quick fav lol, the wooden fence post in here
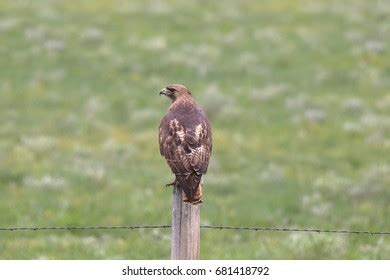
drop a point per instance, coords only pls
(185, 228)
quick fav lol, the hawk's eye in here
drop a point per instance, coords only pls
(171, 89)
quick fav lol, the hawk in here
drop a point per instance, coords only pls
(185, 141)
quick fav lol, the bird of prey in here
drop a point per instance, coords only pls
(185, 141)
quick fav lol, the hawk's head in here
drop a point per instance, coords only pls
(174, 91)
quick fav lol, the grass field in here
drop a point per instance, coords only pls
(298, 93)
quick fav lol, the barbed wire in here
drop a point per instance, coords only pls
(135, 227)
(307, 230)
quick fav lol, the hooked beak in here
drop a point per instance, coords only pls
(164, 91)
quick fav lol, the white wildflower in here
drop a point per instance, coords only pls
(54, 45)
(315, 115)
(352, 104)
(46, 181)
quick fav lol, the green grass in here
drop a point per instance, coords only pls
(297, 91)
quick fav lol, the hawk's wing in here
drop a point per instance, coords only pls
(186, 145)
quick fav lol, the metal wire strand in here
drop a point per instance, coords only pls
(241, 228)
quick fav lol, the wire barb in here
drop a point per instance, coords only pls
(135, 227)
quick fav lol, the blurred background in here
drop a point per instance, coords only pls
(298, 93)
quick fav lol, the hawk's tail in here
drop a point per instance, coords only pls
(192, 188)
